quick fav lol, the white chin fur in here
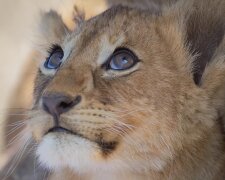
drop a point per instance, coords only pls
(57, 151)
(60, 150)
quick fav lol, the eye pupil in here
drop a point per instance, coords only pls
(124, 60)
(55, 58)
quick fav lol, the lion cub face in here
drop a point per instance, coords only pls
(111, 95)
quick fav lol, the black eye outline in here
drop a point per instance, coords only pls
(120, 51)
(55, 52)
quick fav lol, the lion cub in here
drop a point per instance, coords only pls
(133, 93)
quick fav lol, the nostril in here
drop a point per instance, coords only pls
(69, 104)
(64, 107)
(65, 104)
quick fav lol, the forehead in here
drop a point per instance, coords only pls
(102, 34)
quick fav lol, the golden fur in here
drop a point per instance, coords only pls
(162, 119)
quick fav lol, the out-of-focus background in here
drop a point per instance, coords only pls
(18, 23)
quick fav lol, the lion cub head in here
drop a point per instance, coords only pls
(118, 92)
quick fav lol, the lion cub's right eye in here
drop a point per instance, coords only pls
(55, 58)
(122, 59)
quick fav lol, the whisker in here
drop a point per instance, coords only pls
(22, 122)
(13, 114)
(18, 114)
(12, 124)
(11, 108)
(14, 129)
(17, 157)
(132, 112)
(115, 119)
(118, 132)
(16, 138)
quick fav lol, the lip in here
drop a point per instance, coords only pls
(59, 129)
(106, 147)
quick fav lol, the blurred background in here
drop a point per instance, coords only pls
(18, 23)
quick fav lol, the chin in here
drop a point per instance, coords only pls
(60, 150)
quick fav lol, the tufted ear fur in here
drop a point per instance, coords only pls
(78, 16)
(203, 30)
(52, 28)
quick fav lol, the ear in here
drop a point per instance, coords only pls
(205, 29)
(213, 80)
(201, 24)
(78, 16)
(52, 29)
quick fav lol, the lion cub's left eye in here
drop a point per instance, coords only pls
(122, 59)
(55, 58)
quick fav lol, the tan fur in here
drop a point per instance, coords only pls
(164, 124)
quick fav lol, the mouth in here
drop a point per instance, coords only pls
(106, 147)
(59, 129)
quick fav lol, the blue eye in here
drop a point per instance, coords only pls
(122, 59)
(55, 58)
